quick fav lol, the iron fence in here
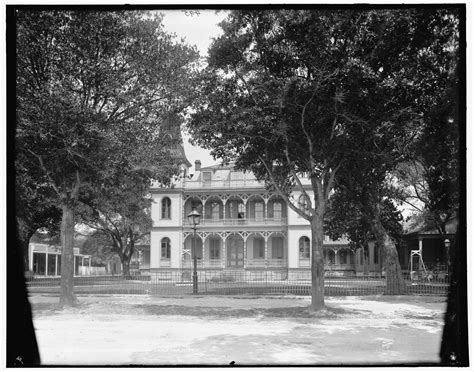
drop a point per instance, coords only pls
(174, 282)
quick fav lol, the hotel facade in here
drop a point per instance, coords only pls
(243, 228)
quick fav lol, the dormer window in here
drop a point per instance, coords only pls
(206, 177)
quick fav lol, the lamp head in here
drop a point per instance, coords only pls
(194, 217)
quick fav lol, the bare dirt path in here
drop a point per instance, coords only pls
(145, 330)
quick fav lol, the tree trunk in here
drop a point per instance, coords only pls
(24, 235)
(455, 342)
(393, 271)
(365, 258)
(67, 257)
(317, 263)
(126, 267)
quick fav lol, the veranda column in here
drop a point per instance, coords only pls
(56, 266)
(224, 251)
(46, 272)
(203, 252)
(245, 253)
(30, 261)
(420, 245)
(224, 202)
(265, 212)
(266, 251)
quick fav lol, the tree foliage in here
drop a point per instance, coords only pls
(292, 93)
(35, 206)
(93, 90)
(120, 215)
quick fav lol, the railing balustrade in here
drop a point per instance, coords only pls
(237, 183)
(256, 262)
(222, 184)
(239, 221)
(276, 262)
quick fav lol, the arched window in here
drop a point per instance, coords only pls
(165, 248)
(166, 208)
(303, 204)
(304, 247)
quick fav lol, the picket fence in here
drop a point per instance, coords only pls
(211, 282)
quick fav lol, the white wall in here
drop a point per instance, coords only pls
(294, 235)
(175, 237)
(293, 217)
(176, 209)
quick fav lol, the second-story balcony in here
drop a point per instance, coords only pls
(269, 221)
(223, 184)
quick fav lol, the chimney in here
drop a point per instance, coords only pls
(197, 165)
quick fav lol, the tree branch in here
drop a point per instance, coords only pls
(282, 194)
(53, 184)
(298, 181)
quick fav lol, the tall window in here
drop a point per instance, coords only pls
(166, 208)
(215, 251)
(241, 209)
(343, 257)
(277, 247)
(215, 211)
(331, 257)
(351, 257)
(376, 254)
(277, 208)
(258, 248)
(165, 249)
(304, 247)
(236, 209)
(258, 211)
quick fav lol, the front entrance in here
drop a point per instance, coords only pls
(235, 252)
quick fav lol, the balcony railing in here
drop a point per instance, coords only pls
(221, 184)
(239, 221)
(271, 262)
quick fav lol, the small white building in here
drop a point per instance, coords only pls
(45, 260)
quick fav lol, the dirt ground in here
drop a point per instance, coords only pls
(146, 330)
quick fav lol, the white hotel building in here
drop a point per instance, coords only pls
(243, 228)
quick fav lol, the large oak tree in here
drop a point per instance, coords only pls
(293, 93)
(92, 90)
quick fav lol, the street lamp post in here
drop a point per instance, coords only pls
(194, 219)
(447, 245)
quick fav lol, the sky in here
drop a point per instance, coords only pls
(196, 30)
